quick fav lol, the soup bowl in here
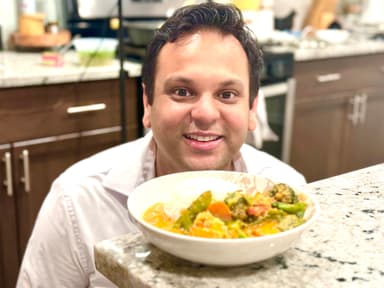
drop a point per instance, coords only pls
(180, 189)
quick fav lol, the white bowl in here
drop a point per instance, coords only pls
(93, 51)
(185, 187)
(332, 36)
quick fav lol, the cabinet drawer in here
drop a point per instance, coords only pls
(40, 111)
(320, 78)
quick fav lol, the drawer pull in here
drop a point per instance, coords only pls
(26, 179)
(8, 173)
(354, 116)
(328, 77)
(363, 108)
(86, 108)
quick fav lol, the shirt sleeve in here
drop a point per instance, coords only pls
(54, 255)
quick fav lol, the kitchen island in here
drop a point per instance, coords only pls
(344, 247)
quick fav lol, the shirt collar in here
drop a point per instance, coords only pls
(124, 177)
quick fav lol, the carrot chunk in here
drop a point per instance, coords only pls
(221, 210)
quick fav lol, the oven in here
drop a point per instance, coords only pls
(278, 86)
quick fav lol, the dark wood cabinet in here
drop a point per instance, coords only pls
(46, 129)
(365, 139)
(338, 114)
(9, 257)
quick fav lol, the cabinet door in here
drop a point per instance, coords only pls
(317, 138)
(38, 162)
(9, 258)
(364, 140)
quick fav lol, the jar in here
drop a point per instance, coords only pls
(52, 27)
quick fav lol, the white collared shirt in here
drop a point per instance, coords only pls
(88, 204)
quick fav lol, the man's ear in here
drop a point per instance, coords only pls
(252, 115)
(147, 109)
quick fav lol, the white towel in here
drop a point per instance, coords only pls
(262, 132)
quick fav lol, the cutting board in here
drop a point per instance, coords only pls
(321, 14)
(47, 40)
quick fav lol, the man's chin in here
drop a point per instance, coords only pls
(208, 165)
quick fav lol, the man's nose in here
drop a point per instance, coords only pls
(205, 110)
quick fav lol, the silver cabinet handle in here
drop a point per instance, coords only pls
(354, 116)
(86, 108)
(328, 77)
(363, 108)
(27, 177)
(8, 173)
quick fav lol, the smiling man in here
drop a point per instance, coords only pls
(200, 111)
(200, 83)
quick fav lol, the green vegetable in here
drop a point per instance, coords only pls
(283, 193)
(297, 208)
(238, 203)
(188, 215)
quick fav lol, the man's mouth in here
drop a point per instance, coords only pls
(202, 138)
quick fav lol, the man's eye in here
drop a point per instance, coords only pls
(228, 94)
(182, 92)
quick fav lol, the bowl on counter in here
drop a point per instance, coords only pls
(332, 36)
(180, 189)
(141, 32)
(92, 51)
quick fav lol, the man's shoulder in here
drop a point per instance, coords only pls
(261, 163)
(105, 160)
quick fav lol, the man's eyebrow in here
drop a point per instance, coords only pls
(185, 80)
(231, 82)
(178, 79)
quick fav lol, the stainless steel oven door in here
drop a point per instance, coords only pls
(279, 100)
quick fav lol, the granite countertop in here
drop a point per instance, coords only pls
(25, 69)
(344, 247)
(351, 48)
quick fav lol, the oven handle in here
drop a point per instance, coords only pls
(277, 89)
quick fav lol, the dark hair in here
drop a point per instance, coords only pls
(225, 18)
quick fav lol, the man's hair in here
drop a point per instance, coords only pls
(227, 19)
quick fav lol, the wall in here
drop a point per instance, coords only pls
(8, 16)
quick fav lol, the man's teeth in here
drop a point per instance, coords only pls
(202, 138)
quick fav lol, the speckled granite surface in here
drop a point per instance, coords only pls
(344, 248)
(24, 69)
(342, 50)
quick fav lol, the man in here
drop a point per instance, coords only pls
(200, 82)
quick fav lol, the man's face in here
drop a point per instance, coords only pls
(200, 113)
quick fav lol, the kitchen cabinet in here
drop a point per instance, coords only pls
(9, 258)
(45, 129)
(337, 125)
